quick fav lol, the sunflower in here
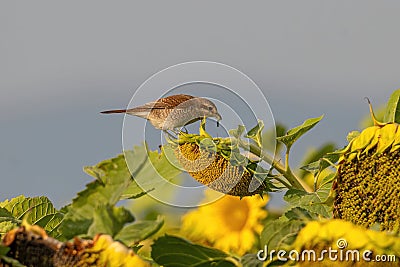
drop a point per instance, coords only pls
(219, 163)
(230, 224)
(344, 236)
(368, 178)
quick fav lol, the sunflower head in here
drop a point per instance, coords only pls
(230, 224)
(345, 238)
(216, 171)
(368, 178)
(219, 164)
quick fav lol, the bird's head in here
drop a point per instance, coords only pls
(208, 108)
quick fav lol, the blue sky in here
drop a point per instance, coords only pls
(63, 62)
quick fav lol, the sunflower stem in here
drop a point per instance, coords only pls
(284, 170)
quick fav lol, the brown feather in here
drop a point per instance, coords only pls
(169, 102)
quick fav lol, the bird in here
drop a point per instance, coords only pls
(173, 112)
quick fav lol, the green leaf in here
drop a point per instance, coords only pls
(11, 262)
(312, 202)
(4, 259)
(237, 132)
(3, 250)
(7, 221)
(282, 232)
(251, 260)
(255, 133)
(392, 113)
(171, 251)
(208, 145)
(36, 210)
(318, 160)
(237, 159)
(133, 233)
(156, 171)
(295, 133)
(114, 181)
(109, 220)
(300, 214)
(279, 234)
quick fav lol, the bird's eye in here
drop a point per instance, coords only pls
(210, 108)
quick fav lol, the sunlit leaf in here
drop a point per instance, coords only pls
(156, 171)
(171, 251)
(313, 202)
(317, 160)
(295, 133)
(255, 133)
(114, 181)
(251, 260)
(7, 221)
(238, 132)
(109, 220)
(132, 233)
(278, 234)
(392, 113)
(36, 210)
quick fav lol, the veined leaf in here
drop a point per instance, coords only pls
(113, 178)
(312, 202)
(295, 133)
(36, 210)
(282, 232)
(278, 234)
(317, 160)
(392, 113)
(132, 233)
(255, 133)
(114, 181)
(237, 132)
(7, 222)
(109, 220)
(251, 260)
(156, 171)
(171, 251)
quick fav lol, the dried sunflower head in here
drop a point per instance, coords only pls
(368, 182)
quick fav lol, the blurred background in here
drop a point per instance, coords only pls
(61, 63)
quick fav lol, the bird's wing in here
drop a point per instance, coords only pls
(169, 102)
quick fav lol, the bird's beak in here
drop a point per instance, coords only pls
(218, 117)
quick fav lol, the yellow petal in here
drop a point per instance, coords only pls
(364, 138)
(387, 134)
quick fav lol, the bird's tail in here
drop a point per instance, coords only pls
(139, 111)
(114, 111)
